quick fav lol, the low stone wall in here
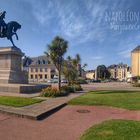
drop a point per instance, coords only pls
(24, 88)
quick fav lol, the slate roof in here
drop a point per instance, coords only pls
(120, 65)
(137, 49)
(40, 60)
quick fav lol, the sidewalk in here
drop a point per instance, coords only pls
(39, 110)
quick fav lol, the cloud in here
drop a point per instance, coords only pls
(77, 20)
(96, 57)
(83, 27)
(125, 53)
(128, 45)
(82, 22)
(43, 11)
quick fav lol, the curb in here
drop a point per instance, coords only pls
(49, 112)
(39, 116)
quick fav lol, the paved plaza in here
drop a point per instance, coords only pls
(66, 124)
(69, 123)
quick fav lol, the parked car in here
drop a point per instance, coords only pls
(50, 81)
(63, 81)
(55, 80)
(96, 81)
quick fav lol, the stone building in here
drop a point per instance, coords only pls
(39, 70)
(135, 61)
(90, 74)
(119, 72)
(122, 72)
(113, 71)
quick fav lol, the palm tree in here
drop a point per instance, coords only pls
(78, 58)
(56, 51)
(69, 58)
(71, 69)
(84, 66)
(77, 62)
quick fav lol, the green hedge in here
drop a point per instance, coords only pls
(50, 92)
(65, 90)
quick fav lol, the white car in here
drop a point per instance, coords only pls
(63, 81)
(50, 81)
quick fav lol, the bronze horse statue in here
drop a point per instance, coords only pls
(10, 30)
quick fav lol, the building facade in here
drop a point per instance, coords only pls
(90, 74)
(135, 61)
(39, 70)
(120, 72)
(113, 71)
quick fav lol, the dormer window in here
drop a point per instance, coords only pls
(43, 61)
(39, 62)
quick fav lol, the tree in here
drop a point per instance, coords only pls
(56, 51)
(71, 69)
(102, 72)
(84, 66)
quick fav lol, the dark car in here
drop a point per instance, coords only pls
(96, 81)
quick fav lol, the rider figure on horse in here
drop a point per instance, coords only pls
(2, 22)
(7, 30)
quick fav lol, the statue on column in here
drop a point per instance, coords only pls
(2, 22)
(9, 29)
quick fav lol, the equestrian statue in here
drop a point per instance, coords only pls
(9, 29)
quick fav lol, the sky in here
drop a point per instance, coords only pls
(101, 31)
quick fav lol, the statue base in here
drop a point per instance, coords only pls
(12, 78)
(21, 88)
(11, 66)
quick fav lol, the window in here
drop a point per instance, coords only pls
(39, 62)
(36, 76)
(52, 76)
(40, 76)
(45, 76)
(32, 70)
(43, 61)
(52, 71)
(36, 70)
(41, 70)
(31, 76)
(45, 69)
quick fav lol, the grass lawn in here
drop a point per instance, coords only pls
(17, 101)
(122, 99)
(113, 130)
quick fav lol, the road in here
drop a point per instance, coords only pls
(110, 86)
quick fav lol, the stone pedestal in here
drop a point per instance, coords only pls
(11, 66)
(12, 78)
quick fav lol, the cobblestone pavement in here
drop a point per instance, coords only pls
(66, 124)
